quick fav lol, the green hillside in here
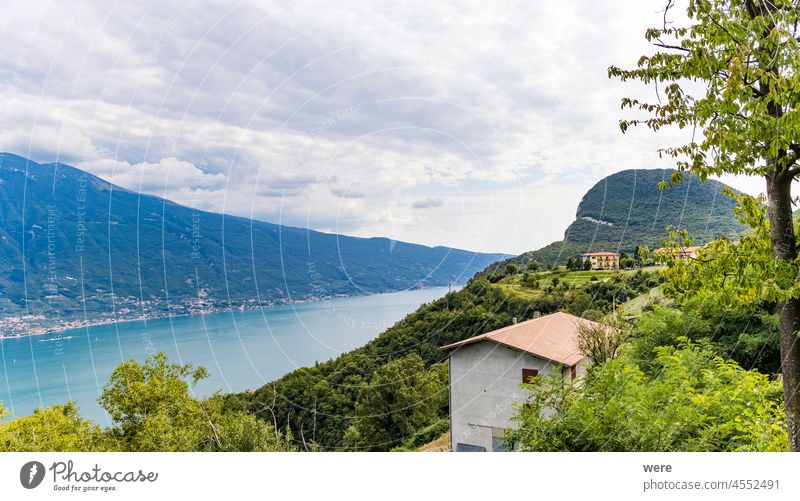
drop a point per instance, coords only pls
(321, 403)
(627, 209)
(326, 403)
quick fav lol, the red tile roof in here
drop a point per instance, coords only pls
(553, 337)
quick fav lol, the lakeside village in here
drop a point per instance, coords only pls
(131, 308)
(128, 309)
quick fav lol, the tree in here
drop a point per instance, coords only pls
(745, 56)
(152, 410)
(693, 401)
(602, 341)
(511, 269)
(151, 406)
(747, 334)
(400, 399)
(52, 429)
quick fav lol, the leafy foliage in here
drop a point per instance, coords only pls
(731, 75)
(692, 401)
(747, 335)
(746, 53)
(57, 428)
(738, 273)
(152, 410)
(401, 398)
(602, 341)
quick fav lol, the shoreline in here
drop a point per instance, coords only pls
(158, 316)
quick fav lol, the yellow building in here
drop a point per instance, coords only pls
(683, 253)
(602, 260)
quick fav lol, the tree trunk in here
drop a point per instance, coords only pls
(784, 246)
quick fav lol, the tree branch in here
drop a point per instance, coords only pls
(668, 46)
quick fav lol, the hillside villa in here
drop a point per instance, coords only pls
(684, 253)
(602, 260)
(688, 252)
(487, 371)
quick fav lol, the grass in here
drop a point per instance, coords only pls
(441, 444)
(637, 305)
(514, 284)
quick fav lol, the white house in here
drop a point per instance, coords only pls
(486, 372)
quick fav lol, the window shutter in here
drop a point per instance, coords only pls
(527, 374)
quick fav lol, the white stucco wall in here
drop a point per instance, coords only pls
(485, 379)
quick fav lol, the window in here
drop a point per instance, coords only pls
(573, 371)
(527, 374)
(469, 448)
(499, 440)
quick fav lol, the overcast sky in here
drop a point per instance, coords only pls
(470, 124)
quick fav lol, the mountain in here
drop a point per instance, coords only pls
(68, 236)
(628, 208)
(621, 211)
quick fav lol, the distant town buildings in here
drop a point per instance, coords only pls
(687, 252)
(602, 260)
(684, 253)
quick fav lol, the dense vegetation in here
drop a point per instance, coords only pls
(66, 234)
(699, 371)
(628, 209)
(692, 376)
(728, 71)
(381, 395)
(691, 400)
(151, 410)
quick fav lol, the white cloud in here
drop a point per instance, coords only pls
(167, 176)
(343, 116)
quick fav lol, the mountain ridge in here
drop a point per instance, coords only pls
(627, 208)
(75, 244)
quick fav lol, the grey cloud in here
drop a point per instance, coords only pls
(273, 100)
(346, 193)
(428, 203)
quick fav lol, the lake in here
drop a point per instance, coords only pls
(241, 350)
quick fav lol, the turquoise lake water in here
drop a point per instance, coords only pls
(241, 350)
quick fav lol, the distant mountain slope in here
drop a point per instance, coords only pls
(627, 209)
(67, 234)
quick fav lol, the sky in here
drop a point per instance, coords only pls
(468, 124)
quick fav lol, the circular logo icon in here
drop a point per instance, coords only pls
(31, 474)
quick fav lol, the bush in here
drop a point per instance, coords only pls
(693, 401)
